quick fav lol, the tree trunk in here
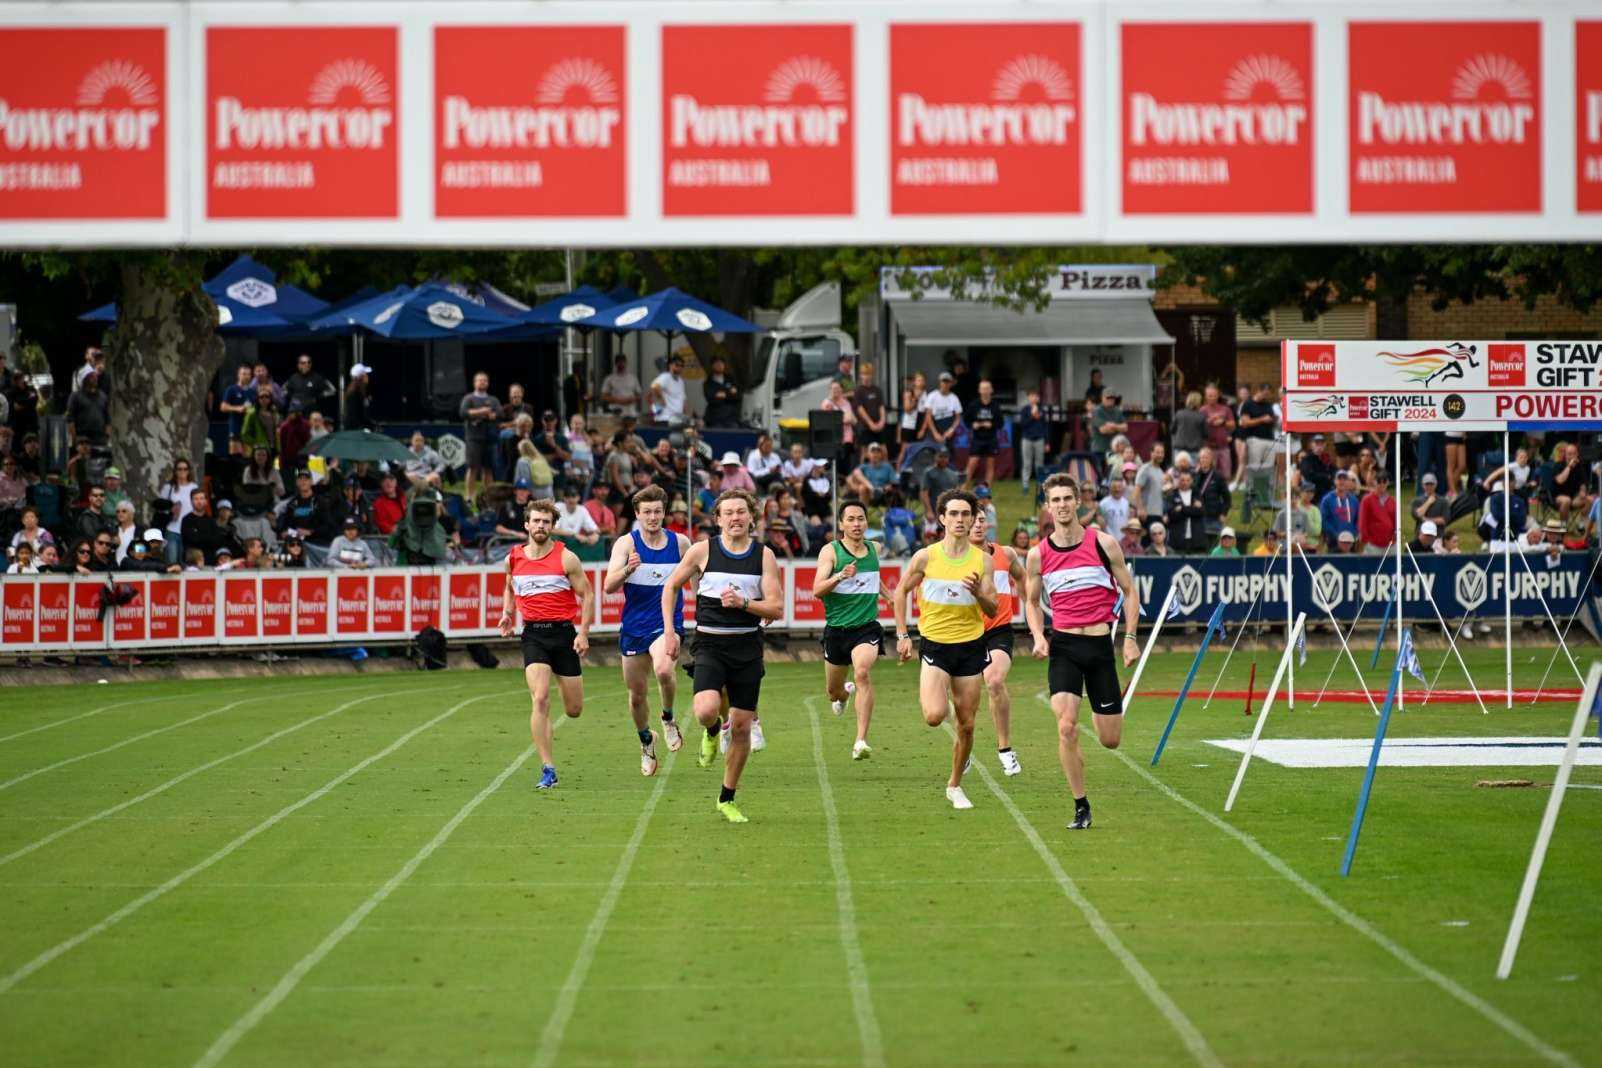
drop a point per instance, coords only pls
(163, 354)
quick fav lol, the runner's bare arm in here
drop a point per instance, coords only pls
(574, 569)
(689, 570)
(1126, 582)
(507, 612)
(984, 591)
(910, 578)
(1034, 615)
(824, 580)
(624, 560)
(770, 605)
(1015, 568)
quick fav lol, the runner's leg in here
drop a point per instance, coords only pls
(572, 687)
(933, 685)
(965, 691)
(863, 658)
(1065, 706)
(635, 673)
(834, 680)
(1000, 698)
(539, 720)
(739, 746)
(666, 684)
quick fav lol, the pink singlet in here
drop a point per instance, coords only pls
(1077, 583)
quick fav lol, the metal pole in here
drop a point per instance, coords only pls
(1507, 563)
(1290, 550)
(564, 360)
(1396, 489)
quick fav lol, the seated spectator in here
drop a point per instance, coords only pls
(259, 471)
(796, 468)
(872, 476)
(115, 494)
(291, 553)
(194, 560)
(1226, 543)
(1376, 516)
(605, 518)
(1519, 469)
(1428, 504)
(1345, 542)
(1116, 509)
(1317, 467)
(350, 549)
(785, 528)
(13, 485)
(125, 528)
(1569, 483)
(1425, 541)
(1159, 540)
(535, 469)
(1130, 542)
(1020, 541)
(306, 514)
(1269, 546)
(678, 521)
(22, 563)
(763, 462)
(141, 560)
(223, 511)
(511, 428)
(734, 475)
(29, 461)
(1184, 517)
(900, 524)
(1448, 544)
(352, 502)
(512, 516)
(255, 557)
(426, 467)
(388, 507)
(82, 557)
(817, 494)
(938, 478)
(225, 560)
(552, 443)
(31, 533)
(156, 541)
(1338, 510)
(573, 520)
(49, 562)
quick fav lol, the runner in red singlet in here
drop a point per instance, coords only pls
(1081, 571)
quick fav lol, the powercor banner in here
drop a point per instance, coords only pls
(986, 118)
(1465, 385)
(1218, 117)
(629, 124)
(1460, 585)
(83, 132)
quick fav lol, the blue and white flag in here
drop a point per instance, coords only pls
(1173, 610)
(1410, 658)
(1301, 648)
(1118, 608)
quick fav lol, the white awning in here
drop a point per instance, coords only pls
(1064, 322)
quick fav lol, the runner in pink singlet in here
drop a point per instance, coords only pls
(1081, 572)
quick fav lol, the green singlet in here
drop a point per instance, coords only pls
(854, 602)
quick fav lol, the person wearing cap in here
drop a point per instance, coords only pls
(1269, 546)
(1130, 541)
(513, 513)
(1226, 543)
(869, 479)
(305, 514)
(356, 414)
(223, 510)
(1429, 504)
(1428, 532)
(1338, 510)
(225, 560)
(1345, 542)
(667, 394)
(735, 476)
(1376, 516)
(942, 411)
(349, 548)
(147, 555)
(1107, 421)
(1115, 508)
(115, 494)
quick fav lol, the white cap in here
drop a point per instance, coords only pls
(154, 535)
(730, 458)
(1428, 527)
(1346, 535)
(1227, 532)
(359, 369)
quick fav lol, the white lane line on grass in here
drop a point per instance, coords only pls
(555, 1027)
(258, 1012)
(191, 773)
(845, 905)
(267, 824)
(1187, 1031)
(1491, 1013)
(97, 711)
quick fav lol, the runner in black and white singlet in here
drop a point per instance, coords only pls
(737, 587)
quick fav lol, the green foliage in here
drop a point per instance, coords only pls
(1255, 280)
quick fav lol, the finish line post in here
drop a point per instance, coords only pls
(1195, 665)
(1373, 757)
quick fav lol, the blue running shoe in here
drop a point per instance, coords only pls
(547, 778)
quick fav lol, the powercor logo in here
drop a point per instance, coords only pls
(1006, 119)
(1490, 102)
(1187, 589)
(1505, 365)
(777, 122)
(1315, 366)
(1327, 583)
(323, 123)
(556, 119)
(1243, 118)
(1472, 586)
(117, 108)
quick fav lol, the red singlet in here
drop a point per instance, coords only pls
(544, 595)
(1006, 598)
(1077, 583)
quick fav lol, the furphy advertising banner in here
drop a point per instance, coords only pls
(618, 123)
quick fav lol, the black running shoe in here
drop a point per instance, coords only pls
(1081, 821)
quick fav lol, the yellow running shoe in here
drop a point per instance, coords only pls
(730, 813)
(709, 749)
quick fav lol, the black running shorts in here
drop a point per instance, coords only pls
(999, 640)
(1084, 664)
(957, 659)
(732, 662)
(552, 644)
(840, 642)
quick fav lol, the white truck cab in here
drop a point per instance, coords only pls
(796, 360)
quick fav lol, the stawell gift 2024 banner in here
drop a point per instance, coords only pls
(1435, 385)
(617, 123)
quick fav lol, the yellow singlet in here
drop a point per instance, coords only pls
(947, 612)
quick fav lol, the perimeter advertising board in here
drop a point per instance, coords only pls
(1588, 115)
(1376, 385)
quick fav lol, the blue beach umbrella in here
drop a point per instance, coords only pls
(569, 308)
(249, 300)
(671, 311)
(427, 313)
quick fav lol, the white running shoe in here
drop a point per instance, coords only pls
(758, 743)
(861, 750)
(958, 799)
(837, 707)
(1009, 762)
(670, 731)
(648, 757)
(1467, 632)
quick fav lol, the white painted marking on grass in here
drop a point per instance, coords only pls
(856, 966)
(551, 1038)
(267, 824)
(175, 780)
(1187, 1031)
(97, 711)
(258, 1012)
(1440, 752)
(1490, 1012)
